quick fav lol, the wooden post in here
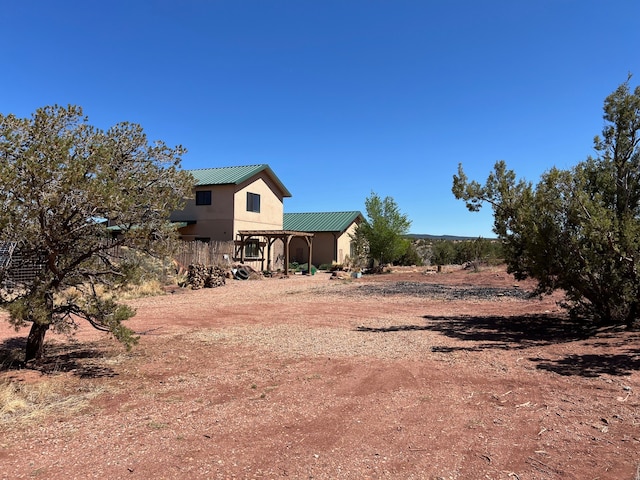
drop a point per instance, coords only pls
(269, 243)
(310, 243)
(286, 254)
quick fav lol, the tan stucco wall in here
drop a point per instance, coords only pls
(271, 206)
(326, 249)
(344, 243)
(227, 213)
(215, 230)
(214, 221)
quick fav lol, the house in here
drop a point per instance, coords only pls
(231, 199)
(331, 235)
(241, 206)
(244, 205)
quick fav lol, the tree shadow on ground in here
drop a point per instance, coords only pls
(82, 359)
(510, 332)
(527, 331)
(593, 365)
(495, 332)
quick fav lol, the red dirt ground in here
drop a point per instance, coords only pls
(398, 376)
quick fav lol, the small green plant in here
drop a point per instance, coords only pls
(304, 268)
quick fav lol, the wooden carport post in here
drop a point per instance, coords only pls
(271, 236)
(286, 254)
(242, 240)
(270, 242)
(310, 245)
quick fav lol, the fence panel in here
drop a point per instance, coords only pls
(211, 253)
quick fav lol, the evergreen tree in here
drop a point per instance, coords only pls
(578, 230)
(61, 179)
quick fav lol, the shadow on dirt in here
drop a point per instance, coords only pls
(523, 332)
(593, 365)
(517, 332)
(84, 360)
(513, 332)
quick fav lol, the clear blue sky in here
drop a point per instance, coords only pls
(340, 98)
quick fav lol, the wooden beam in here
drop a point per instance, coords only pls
(286, 255)
(272, 235)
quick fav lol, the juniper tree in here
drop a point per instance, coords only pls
(577, 230)
(61, 178)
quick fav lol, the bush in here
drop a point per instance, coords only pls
(304, 268)
(410, 256)
(576, 230)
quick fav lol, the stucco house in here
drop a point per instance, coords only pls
(331, 235)
(243, 205)
(227, 200)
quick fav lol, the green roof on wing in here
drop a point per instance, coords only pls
(234, 176)
(320, 221)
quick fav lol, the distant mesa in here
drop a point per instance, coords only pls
(454, 238)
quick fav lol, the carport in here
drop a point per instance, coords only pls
(268, 238)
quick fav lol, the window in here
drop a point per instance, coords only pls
(203, 197)
(252, 249)
(253, 202)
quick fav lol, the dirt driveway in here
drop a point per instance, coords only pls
(400, 376)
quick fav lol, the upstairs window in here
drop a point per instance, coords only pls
(203, 197)
(253, 202)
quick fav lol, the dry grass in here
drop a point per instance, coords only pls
(148, 288)
(25, 403)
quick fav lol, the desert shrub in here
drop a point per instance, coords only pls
(410, 256)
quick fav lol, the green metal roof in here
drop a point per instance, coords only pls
(320, 221)
(234, 175)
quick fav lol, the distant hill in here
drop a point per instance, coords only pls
(424, 236)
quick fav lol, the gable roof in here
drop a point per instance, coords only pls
(320, 221)
(234, 176)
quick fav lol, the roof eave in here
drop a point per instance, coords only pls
(259, 168)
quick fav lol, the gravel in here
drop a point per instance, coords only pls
(443, 292)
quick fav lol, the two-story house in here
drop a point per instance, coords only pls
(230, 199)
(244, 205)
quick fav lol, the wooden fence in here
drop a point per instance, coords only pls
(211, 253)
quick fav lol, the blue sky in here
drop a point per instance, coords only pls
(340, 98)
